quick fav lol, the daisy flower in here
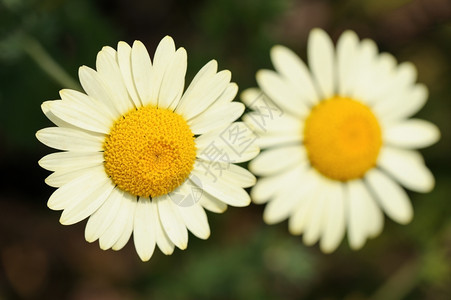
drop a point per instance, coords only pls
(138, 152)
(339, 140)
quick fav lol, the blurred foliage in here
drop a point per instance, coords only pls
(244, 258)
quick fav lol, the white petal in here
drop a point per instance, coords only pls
(253, 97)
(110, 51)
(347, 64)
(61, 177)
(203, 76)
(411, 103)
(276, 160)
(266, 122)
(229, 173)
(82, 116)
(70, 160)
(364, 82)
(128, 226)
(215, 117)
(98, 109)
(141, 67)
(195, 219)
(188, 193)
(108, 69)
(358, 204)
(392, 198)
(70, 139)
(45, 107)
(283, 139)
(316, 219)
(212, 204)
(203, 94)
(228, 95)
(163, 241)
(233, 144)
(408, 168)
(120, 227)
(236, 175)
(172, 221)
(280, 91)
(412, 133)
(294, 70)
(402, 103)
(383, 70)
(266, 187)
(95, 87)
(300, 219)
(144, 228)
(89, 183)
(229, 194)
(85, 195)
(320, 54)
(77, 98)
(375, 218)
(164, 55)
(284, 203)
(102, 218)
(125, 65)
(173, 80)
(335, 221)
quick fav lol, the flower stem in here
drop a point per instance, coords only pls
(399, 284)
(43, 59)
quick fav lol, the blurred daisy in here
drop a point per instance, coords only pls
(339, 140)
(138, 152)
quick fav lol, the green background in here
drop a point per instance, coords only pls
(42, 44)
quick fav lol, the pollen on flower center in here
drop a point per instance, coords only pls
(149, 151)
(343, 138)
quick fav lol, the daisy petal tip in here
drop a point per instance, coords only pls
(350, 34)
(82, 69)
(137, 43)
(213, 62)
(261, 75)
(168, 38)
(65, 221)
(278, 50)
(270, 220)
(405, 219)
(293, 230)
(356, 246)
(103, 246)
(183, 246)
(144, 258)
(167, 42)
(51, 206)
(182, 52)
(122, 43)
(205, 235)
(227, 75)
(45, 106)
(327, 249)
(90, 238)
(435, 133)
(145, 255)
(318, 33)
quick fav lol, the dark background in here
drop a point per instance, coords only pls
(42, 44)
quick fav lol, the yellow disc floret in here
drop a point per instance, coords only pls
(343, 138)
(149, 151)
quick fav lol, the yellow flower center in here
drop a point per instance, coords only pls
(149, 151)
(343, 138)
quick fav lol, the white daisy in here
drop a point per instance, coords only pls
(339, 140)
(140, 155)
